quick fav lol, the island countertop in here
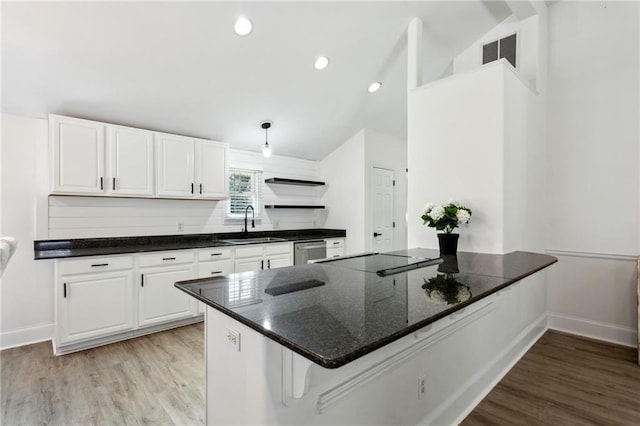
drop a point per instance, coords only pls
(336, 311)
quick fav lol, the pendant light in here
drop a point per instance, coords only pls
(266, 149)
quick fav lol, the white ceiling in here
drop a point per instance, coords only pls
(178, 67)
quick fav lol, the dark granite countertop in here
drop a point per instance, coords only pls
(57, 249)
(336, 311)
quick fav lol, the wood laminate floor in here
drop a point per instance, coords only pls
(159, 380)
(156, 379)
(566, 380)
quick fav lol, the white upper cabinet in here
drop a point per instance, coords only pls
(175, 172)
(93, 158)
(77, 156)
(211, 169)
(190, 168)
(130, 161)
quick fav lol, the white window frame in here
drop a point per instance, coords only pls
(255, 193)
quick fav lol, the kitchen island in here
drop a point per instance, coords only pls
(372, 339)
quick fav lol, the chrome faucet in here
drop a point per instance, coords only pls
(245, 231)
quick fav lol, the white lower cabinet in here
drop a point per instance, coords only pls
(277, 255)
(94, 298)
(335, 247)
(158, 299)
(214, 263)
(101, 299)
(267, 256)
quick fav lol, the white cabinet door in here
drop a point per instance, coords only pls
(77, 148)
(174, 166)
(278, 261)
(158, 299)
(211, 169)
(248, 264)
(130, 161)
(94, 305)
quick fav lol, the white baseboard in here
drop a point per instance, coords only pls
(593, 329)
(26, 336)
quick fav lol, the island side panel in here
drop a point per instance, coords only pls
(462, 356)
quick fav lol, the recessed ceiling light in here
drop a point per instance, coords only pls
(321, 63)
(374, 87)
(243, 26)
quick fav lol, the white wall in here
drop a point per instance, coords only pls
(593, 163)
(84, 217)
(27, 286)
(28, 213)
(455, 151)
(524, 166)
(344, 172)
(527, 53)
(347, 171)
(389, 153)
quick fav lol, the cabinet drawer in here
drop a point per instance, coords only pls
(278, 248)
(215, 268)
(94, 264)
(166, 258)
(335, 243)
(249, 251)
(214, 254)
(335, 252)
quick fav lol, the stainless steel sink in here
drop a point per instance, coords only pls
(256, 240)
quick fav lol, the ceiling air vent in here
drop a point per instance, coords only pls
(503, 48)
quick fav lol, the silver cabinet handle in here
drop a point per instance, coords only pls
(216, 272)
(99, 264)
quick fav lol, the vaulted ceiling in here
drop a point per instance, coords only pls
(178, 67)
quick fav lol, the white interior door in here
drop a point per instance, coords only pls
(382, 198)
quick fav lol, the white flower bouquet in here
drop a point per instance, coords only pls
(445, 217)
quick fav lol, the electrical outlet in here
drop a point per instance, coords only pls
(422, 387)
(180, 226)
(233, 337)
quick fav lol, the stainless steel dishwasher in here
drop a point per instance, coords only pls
(309, 250)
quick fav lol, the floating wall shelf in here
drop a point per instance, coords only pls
(299, 182)
(291, 206)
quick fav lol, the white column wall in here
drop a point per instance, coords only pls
(524, 166)
(455, 151)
